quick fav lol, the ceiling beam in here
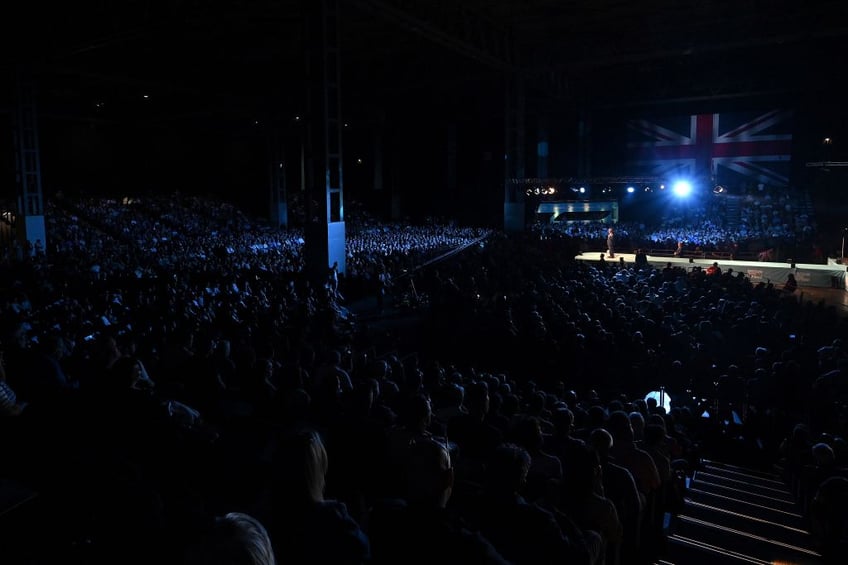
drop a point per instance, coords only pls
(455, 28)
(661, 54)
(470, 34)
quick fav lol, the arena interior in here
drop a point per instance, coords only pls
(396, 281)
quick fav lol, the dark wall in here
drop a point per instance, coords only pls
(113, 159)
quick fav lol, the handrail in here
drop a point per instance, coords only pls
(443, 256)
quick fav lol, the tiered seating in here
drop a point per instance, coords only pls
(733, 211)
(535, 367)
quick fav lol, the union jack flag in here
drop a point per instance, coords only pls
(725, 148)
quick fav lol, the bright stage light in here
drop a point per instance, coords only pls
(662, 399)
(582, 190)
(630, 189)
(682, 188)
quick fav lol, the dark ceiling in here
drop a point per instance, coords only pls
(207, 56)
(203, 77)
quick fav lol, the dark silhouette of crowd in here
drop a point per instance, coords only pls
(175, 390)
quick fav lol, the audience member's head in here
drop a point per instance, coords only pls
(300, 465)
(601, 441)
(429, 473)
(528, 434)
(563, 420)
(233, 539)
(637, 423)
(477, 398)
(580, 470)
(823, 454)
(417, 414)
(506, 474)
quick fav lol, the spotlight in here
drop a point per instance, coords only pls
(631, 190)
(719, 189)
(582, 190)
(682, 188)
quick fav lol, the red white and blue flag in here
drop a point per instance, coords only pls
(725, 148)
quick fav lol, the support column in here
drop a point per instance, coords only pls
(29, 222)
(325, 230)
(514, 164)
(378, 157)
(396, 197)
(542, 149)
(450, 168)
(279, 211)
(584, 143)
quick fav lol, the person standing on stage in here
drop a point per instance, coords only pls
(611, 242)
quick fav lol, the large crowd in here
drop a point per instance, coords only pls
(173, 389)
(766, 218)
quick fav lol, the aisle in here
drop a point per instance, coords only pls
(738, 515)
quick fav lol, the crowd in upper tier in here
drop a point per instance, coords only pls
(175, 390)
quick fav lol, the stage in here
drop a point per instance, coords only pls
(823, 276)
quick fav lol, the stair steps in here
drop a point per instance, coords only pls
(753, 486)
(733, 213)
(737, 515)
(761, 508)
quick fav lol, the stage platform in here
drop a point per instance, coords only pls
(831, 275)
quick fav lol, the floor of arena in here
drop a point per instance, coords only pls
(829, 276)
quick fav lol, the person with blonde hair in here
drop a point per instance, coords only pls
(305, 526)
(233, 539)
